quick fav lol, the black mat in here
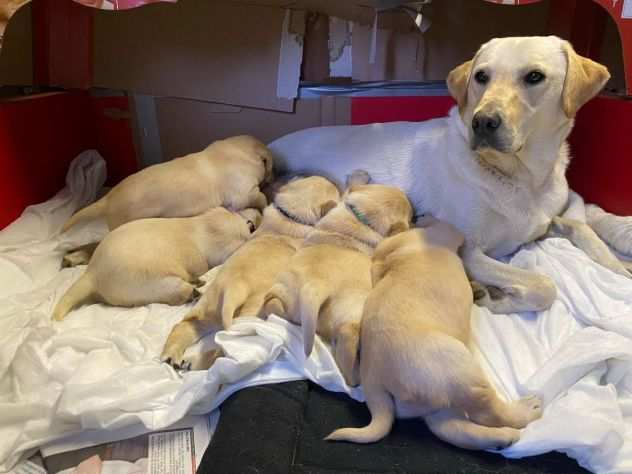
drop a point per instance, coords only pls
(278, 429)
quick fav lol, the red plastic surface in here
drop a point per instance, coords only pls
(40, 135)
(392, 109)
(601, 142)
(114, 138)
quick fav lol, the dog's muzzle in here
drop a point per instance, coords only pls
(486, 128)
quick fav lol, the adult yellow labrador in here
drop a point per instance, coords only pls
(494, 167)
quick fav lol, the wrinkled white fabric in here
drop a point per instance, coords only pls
(99, 369)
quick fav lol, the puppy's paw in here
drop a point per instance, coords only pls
(172, 356)
(506, 437)
(75, 258)
(479, 291)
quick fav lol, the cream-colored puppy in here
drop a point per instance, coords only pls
(329, 278)
(158, 260)
(227, 173)
(415, 360)
(242, 282)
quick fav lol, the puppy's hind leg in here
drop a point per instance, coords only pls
(484, 407)
(346, 352)
(174, 291)
(232, 300)
(454, 428)
(275, 301)
(192, 328)
(468, 389)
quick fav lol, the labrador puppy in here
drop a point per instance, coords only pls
(158, 260)
(227, 173)
(415, 360)
(329, 278)
(242, 282)
(494, 167)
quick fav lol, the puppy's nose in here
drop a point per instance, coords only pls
(486, 124)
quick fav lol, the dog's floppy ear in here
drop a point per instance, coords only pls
(326, 207)
(584, 79)
(358, 177)
(396, 228)
(458, 80)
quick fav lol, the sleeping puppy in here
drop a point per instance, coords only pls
(415, 360)
(227, 173)
(158, 260)
(329, 278)
(242, 282)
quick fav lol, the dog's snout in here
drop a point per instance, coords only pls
(484, 124)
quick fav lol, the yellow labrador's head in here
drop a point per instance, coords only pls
(385, 209)
(515, 87)
(308, 199)
(253, 149)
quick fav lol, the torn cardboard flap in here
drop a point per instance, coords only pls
(290, 54)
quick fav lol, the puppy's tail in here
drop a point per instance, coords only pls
(311, 299)
(233, 298)
(382, 411)
(274, 302)
(94, 210)
(81, 292)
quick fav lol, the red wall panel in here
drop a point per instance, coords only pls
(40, 135)
(601, 144)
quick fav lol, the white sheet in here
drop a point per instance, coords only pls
(99, 369)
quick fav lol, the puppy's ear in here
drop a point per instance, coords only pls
(584, 79)
(328, 206)
(396, 228)
(458, 80)
(358, 177)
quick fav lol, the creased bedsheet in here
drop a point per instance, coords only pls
(99, 369)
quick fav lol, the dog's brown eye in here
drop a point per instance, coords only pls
(533, 77)
(481, 77)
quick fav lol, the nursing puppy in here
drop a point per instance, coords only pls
(242, 282)
(329, 278)
(158, 260)
(415, 360)
(227, 173)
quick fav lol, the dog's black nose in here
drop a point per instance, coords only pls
(485, 125)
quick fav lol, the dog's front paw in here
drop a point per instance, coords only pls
(533, 408)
